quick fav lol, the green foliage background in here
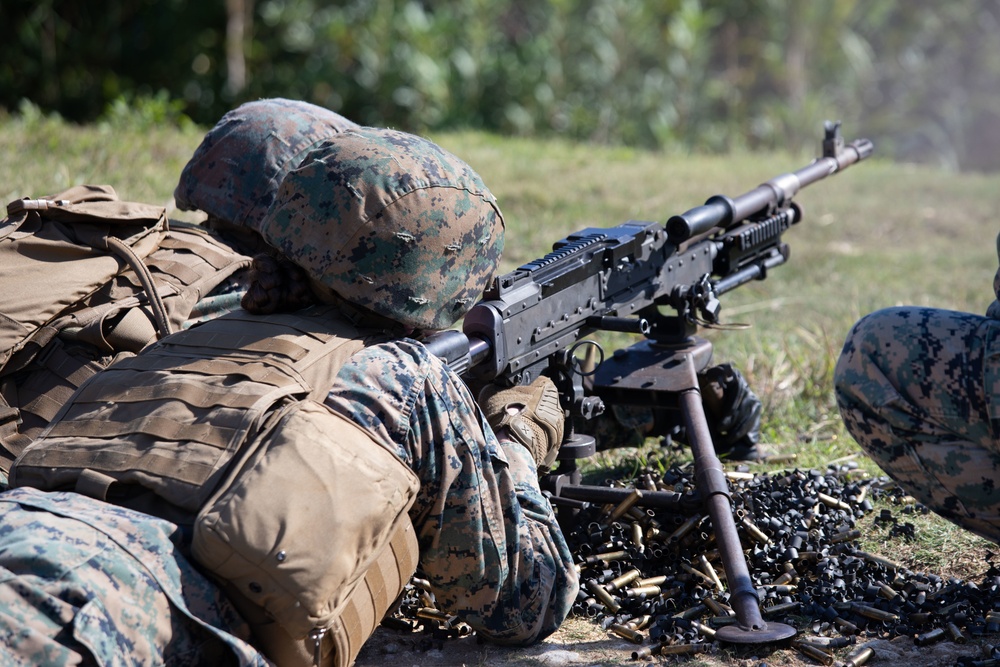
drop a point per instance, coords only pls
(920, 77)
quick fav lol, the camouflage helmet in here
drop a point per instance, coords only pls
(390, 222)
(234, 173)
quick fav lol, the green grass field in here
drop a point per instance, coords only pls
(880, 234)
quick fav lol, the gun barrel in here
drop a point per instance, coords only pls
(722, 211)
(459, 351)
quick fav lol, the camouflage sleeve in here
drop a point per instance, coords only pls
(86, 582)
(919, 389)
(489, 541)
(225, 298)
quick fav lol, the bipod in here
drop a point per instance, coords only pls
(666, 376)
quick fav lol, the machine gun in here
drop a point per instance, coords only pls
(534, 320)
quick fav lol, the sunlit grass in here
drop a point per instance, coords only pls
(878, 235)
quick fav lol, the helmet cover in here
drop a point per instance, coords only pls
(391, 222)
(234, 173)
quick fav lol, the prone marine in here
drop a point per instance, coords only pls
(259, 486)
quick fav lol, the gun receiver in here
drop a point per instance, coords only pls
(533, 319)
(617, 278)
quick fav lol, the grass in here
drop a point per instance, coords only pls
(878, 235)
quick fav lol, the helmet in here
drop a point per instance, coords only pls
(234, 173)
(390, 222)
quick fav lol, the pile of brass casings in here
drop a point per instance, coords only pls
(652, 576)
(658, 572)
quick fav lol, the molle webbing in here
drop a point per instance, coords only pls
(172, 418)
(108, 319)
(369, 602)
(187, 264)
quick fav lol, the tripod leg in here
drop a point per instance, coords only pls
(714, 490)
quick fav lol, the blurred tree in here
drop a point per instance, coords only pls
(918, 76)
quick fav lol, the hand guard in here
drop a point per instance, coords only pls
(532, 416)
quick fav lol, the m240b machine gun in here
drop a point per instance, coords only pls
(533, 320)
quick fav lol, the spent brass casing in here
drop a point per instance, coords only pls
(671, 593)
(682, 649)
(845, 626)
(845, 536)
(637, 536)
(625, 632)
(877, 560)
(935, 635)
(827, 643)
(693, 612)
(835, 503)
(642, 590)
(684, 529)
(873, 613)
(445, 621)
(625, 578)
(782, 608)
(887, 591)
(639, 623)
(859, 657)
(710, 571)
(605, 557)
(646, 652)
(814, 652)
(862, 494)
(703, 630)
(784, 578)
(723, 621)
(624, 506)
(955, 633)
(754, 532)
(698, 573)
(603, 596)
(716, 607)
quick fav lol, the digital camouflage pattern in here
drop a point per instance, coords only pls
(235, 171)
(919, 389)
(391, 222)
(85, 582)
(489, 541)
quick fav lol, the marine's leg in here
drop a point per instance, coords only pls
(76, 593)
(919, 389)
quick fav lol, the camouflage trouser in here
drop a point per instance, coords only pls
(83, 582)
(919, 389)
(489, 541)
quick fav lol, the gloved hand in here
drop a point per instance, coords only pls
(531, 415)
(733, 412)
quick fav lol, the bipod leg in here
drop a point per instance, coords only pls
(713, 487)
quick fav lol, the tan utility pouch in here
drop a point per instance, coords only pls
(303, 517)
(340, 644)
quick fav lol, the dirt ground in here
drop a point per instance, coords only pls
(581, 643)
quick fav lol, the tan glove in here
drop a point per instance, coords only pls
(531, 415)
